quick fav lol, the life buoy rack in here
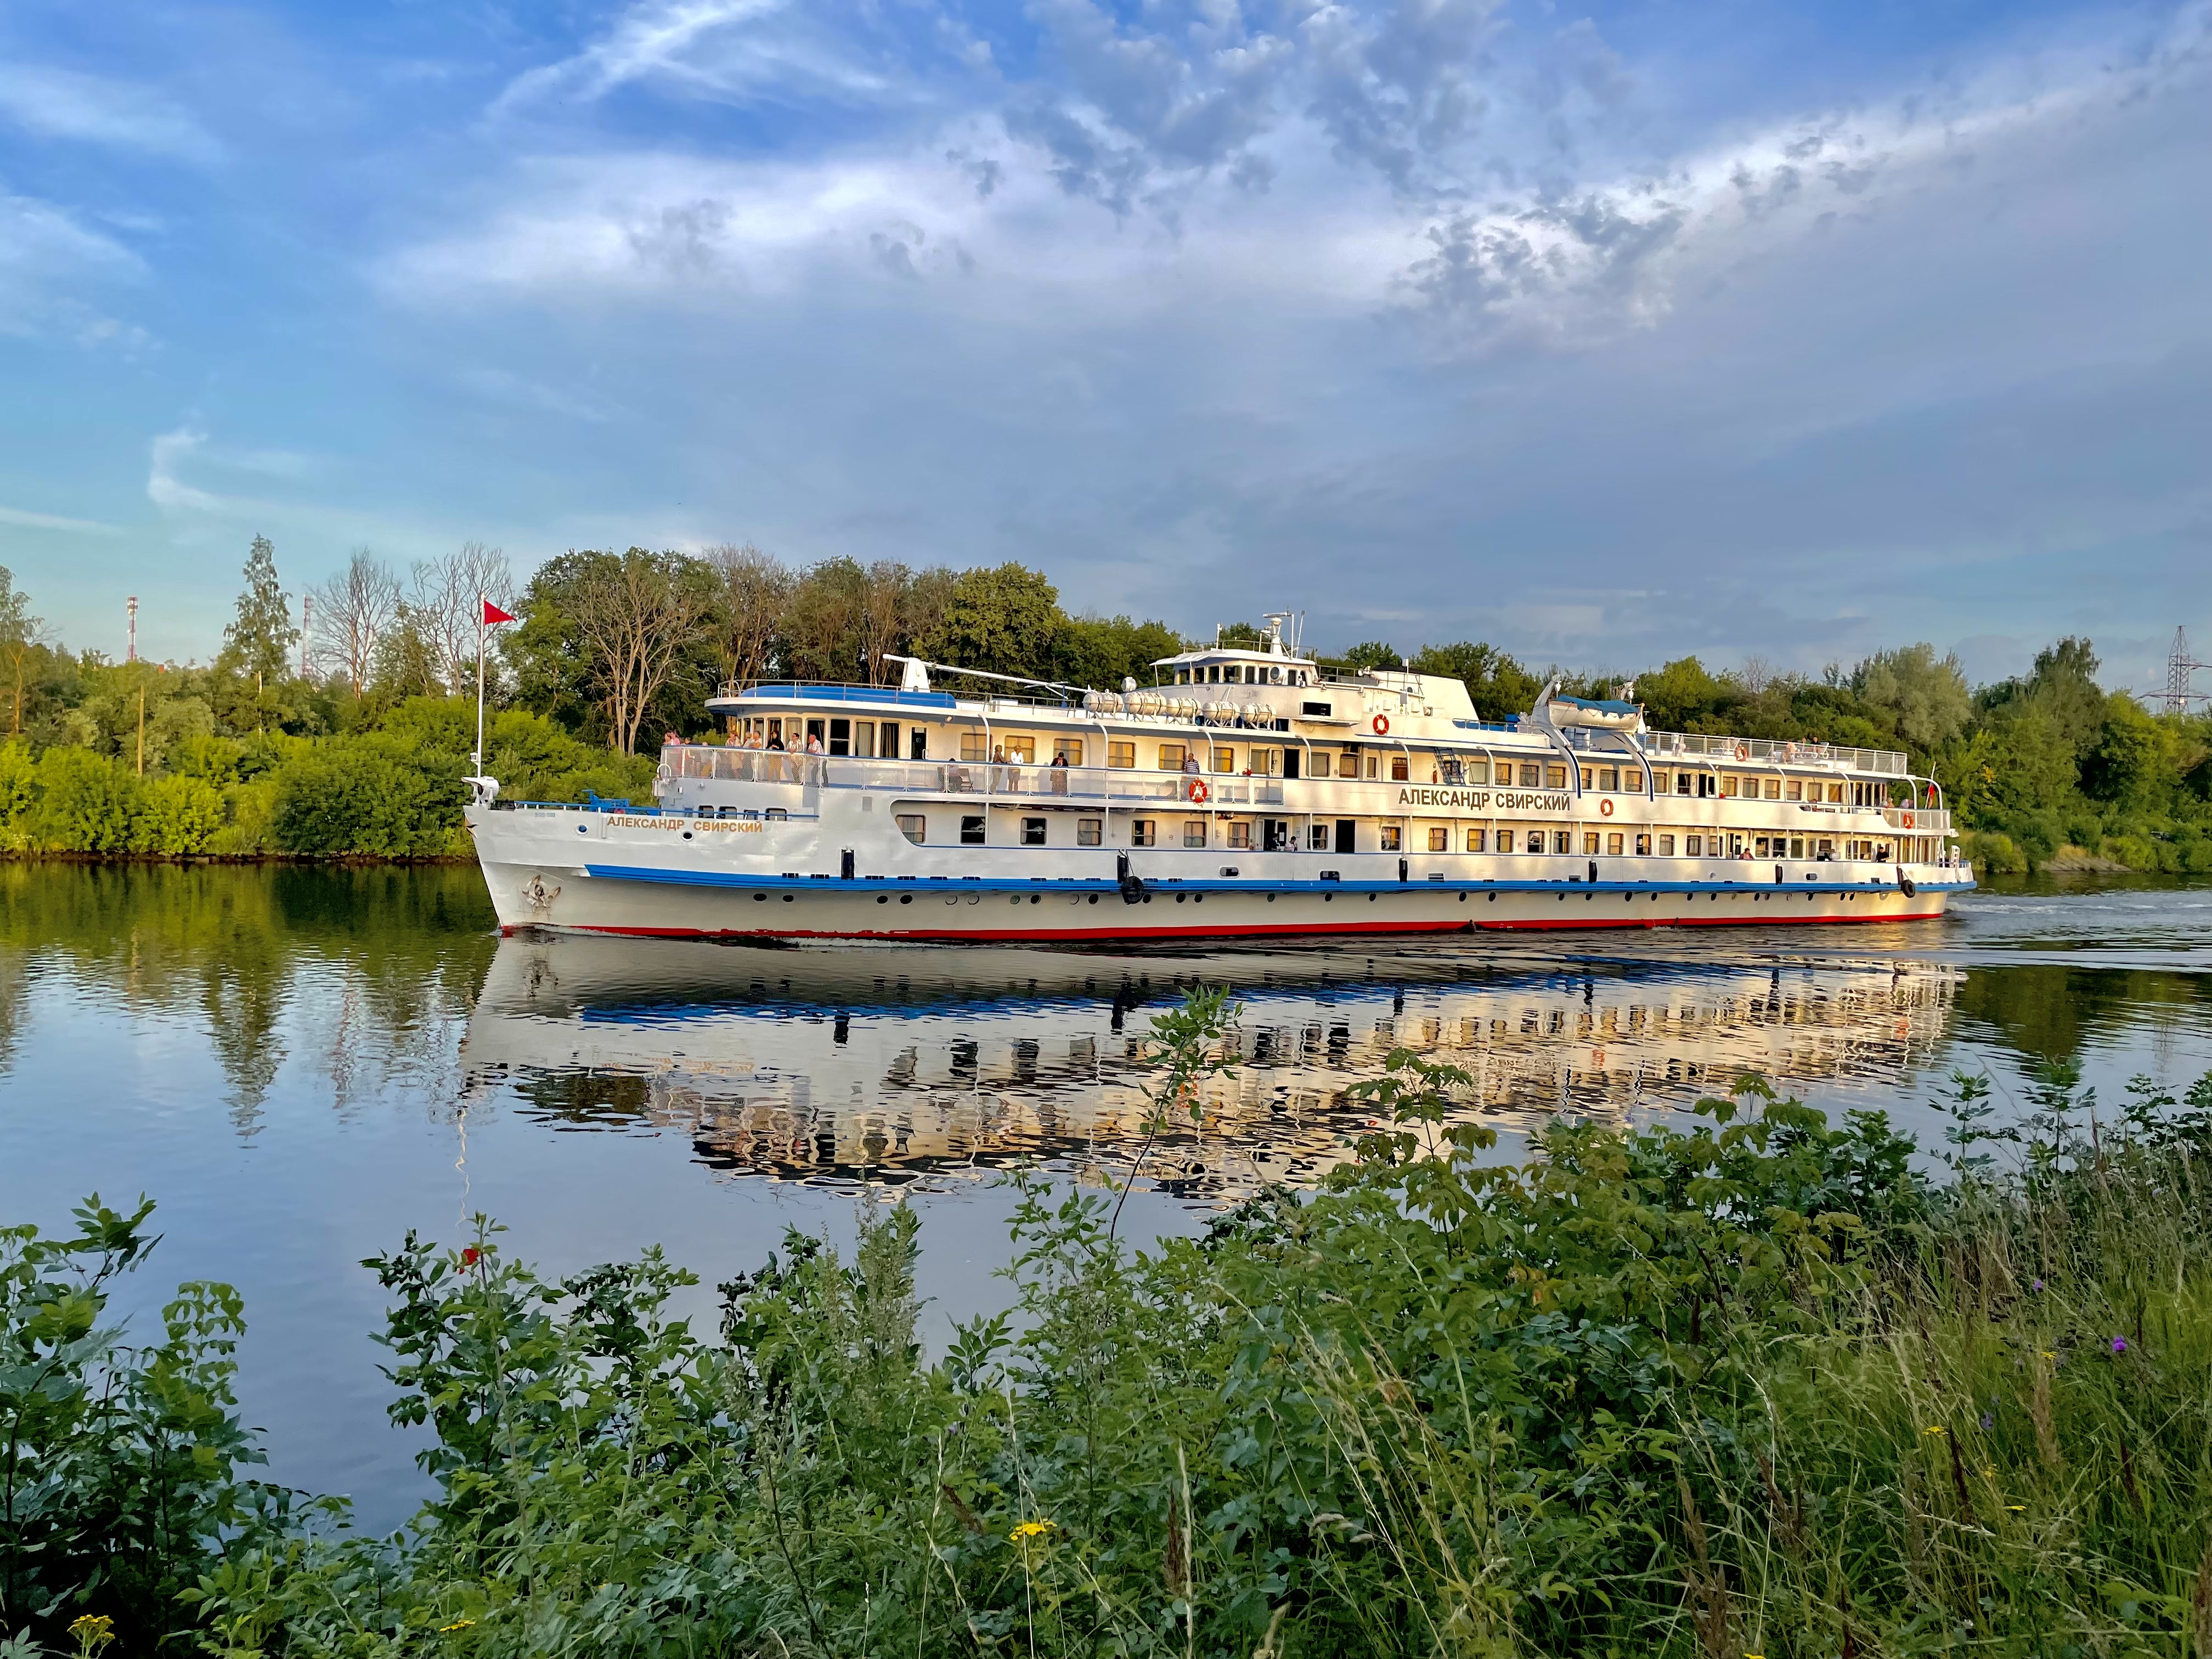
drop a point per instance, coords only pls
(1197, 792)
(1604, 809)
(1743, 751)
(1382, 725)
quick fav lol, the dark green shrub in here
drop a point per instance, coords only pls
(86, 803)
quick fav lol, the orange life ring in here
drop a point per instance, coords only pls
(1743, 751)
(1199, 790)
(1604, 809)
(1908, 820)
(1382, 725)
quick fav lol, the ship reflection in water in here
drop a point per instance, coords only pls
(897, 1063)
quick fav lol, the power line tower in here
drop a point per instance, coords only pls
(130, 649)
(2179, 667)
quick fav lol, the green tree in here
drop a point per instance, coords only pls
(2131, 762)
(19, 635)
(617, 643)
(1103, 651)
(1683, 695)
(260, 638)
(1498, 685)
(1924, 696)
(1371, 653)
(1003, 621)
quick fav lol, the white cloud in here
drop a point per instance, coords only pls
(54, 521)
(58, 103)
(165, 488)
(46, 257)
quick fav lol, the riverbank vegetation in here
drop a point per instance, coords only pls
(1763, 1385)
(353, 741)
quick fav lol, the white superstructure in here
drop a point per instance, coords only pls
(1247, 792)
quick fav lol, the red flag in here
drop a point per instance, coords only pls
(494, 614)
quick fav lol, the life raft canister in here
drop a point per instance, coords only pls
(1382, 725)
(1199, 791)
(1604, 809)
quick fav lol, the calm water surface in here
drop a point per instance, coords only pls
(301, 1064)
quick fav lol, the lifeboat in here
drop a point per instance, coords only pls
(1608, 715)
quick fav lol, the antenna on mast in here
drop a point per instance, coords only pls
(130, 647)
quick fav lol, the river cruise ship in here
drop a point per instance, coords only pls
(1246, 792)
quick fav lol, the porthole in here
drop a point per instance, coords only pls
(883, 898)
(687, 834)
(1493, 898)
(760, 898)
(787, 898)
(1016, 899)
(1180, 897)
(1037, 899)
(1148, 898)
(1271, 898)
(906, 898)
(1462, 898)
(1094, 898)
(1371, 897)
(1198, 898)
(1328, 898)
(583, 829)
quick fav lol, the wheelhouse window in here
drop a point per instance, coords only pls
(1121, 755)
(1089, 832)
(914, 827)
(1143, 832)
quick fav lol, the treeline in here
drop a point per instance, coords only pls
(354, 741)
(1760, 1385)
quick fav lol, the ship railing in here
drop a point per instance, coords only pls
(1775, 751)
(1921, 820)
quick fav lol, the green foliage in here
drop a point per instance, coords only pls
(1103, 651)
(260, 637)
(118, 1465)
(177, 816)
(1371, 653)
(1003, 621)
(85, 803)
(1925, 697)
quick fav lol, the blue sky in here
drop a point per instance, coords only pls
(1606, 334)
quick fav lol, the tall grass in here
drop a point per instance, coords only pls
(1756, 1387)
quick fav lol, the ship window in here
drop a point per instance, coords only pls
(1563, 842)
(1225, 760)
(1393, 838)
(1374, 765)
(864, 739)
(1535, 842)
(914, 827)
(1317, 837)
(1644, 847)
(1141, 832)
(1667, 847)
(1475, 840)
(1069, 750)
(1708, 784)
(1613, 844)
(919, 740)
(1440, 840)
(1398, 769)
(1590, 777)
(1477, 771)
(1321, 709)
(1264, 762)
(841, 736)
(1089, 832)
(1032, 832)
(1531, 774)
(1796, 846)
(1589, 841)
(1659, 784)
(1240, 833)
(1214, 674)
(1730, 785)
(1835, 795)
(1555, 777)
(1122, 755)
(1170, 757)
(814, 728)
(1193, 832)
(1797, 790)
(971, 831)
(973, 748)
(1694, 846)
(1608, 778)
(1774, 789)
(1684, 783)
(1759, 848)
(1019, 749)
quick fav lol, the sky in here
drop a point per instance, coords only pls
(1607, 334)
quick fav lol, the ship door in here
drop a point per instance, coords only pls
(813, 728)
(1344, 828)
(841, 736)
(1289, 762)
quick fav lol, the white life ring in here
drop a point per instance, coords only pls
(1382, 725)
(1604, 809)
(1198, 790)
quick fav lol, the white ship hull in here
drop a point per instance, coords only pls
(671, 875)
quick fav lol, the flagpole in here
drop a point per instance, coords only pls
(482, 628)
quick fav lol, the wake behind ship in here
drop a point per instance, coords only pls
(1246, 794)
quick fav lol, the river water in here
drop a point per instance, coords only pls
(302, 1064)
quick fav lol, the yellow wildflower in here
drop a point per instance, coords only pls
(457, 1624)
(93, 1631)
(2017, 1508)
(1936, 1429)
(1030, 1530)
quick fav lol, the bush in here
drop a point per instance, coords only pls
(348, 796)
(177, 815)
(85, 805)
(1992, 853)
(120, 1462)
